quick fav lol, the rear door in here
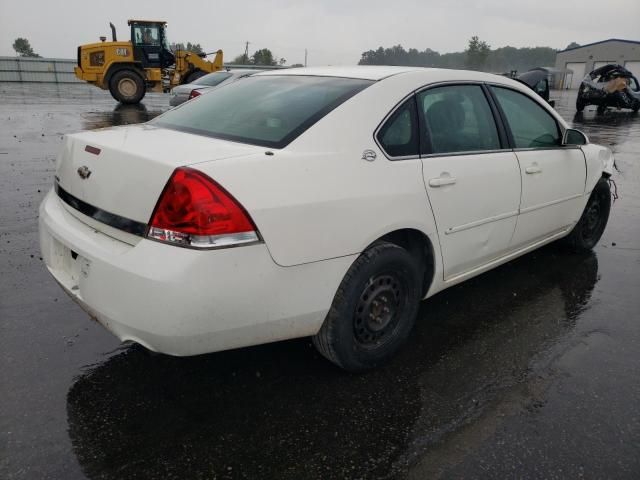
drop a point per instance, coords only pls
(471, 176)
(553, 176)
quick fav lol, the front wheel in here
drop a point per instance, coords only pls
(590, 227)
(373, 310)
(127, 87)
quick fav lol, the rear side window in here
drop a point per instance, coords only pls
(213, 79)
(458, 118)
(399, 135)
(267, 110)
(531, 125)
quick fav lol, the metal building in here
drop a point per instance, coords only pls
(581, 60)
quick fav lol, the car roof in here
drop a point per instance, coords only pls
(379, 72)
(365, 72)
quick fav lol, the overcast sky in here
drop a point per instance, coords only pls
(334, 31)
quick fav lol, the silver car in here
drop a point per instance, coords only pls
(182, 93)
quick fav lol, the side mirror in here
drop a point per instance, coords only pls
(574, 137)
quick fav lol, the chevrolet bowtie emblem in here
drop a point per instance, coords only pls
(84, 172)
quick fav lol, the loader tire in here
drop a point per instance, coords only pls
(127, 86)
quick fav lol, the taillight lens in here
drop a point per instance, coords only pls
(194, 93)
(194, 211)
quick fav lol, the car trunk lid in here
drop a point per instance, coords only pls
(117, 174)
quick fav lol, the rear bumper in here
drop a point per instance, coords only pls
(181, 301)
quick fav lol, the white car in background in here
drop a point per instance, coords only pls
(323, 202)
(182, 93)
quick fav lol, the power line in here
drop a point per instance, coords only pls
(246, 53)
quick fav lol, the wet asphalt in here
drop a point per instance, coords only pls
(529, 371)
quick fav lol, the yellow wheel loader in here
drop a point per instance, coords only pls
(129, 68)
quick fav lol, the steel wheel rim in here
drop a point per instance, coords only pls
(378, 310)
(127, 87)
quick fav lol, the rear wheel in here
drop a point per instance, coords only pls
(127, 86)
(589, 229)
(374, 309)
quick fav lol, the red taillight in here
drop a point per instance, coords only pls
(194, 211)
(194, 93)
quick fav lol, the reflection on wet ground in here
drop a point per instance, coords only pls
(531, 370)
(278, 411)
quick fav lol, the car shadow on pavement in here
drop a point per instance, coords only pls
(281, 411)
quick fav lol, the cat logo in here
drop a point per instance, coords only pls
(123, 52)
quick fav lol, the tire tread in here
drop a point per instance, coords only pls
(325, 338)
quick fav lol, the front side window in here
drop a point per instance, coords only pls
(399, 135)
(541, 87)
(267, 110)
(458, 118)
(146, 35)
(531, 125)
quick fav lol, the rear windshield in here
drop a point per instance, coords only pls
(212, 79)
(265, 110)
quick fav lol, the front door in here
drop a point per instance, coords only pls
(471, 176)
(147, 45)
(553, 176)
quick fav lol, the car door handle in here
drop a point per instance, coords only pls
(441, 181)
(531, 169)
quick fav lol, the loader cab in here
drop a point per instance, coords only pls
(150, 44)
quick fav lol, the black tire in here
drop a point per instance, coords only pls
(636, 107)
(587, 232)
(196, 74)
(601, 109)
(127, 86)
(373, 310)
(579, 102)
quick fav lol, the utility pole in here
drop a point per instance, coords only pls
(305, 57)
(246, 54)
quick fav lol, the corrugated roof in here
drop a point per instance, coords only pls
(636, 42)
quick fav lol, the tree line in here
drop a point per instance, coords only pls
(477, 56)
(263, 56)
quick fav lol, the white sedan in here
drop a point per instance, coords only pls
(323, 202)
